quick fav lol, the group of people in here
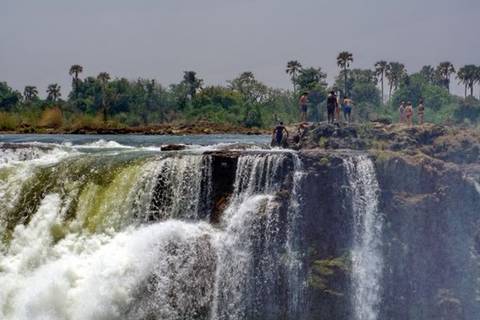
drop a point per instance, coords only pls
(333, 108)
(406, 113)
(280, 133)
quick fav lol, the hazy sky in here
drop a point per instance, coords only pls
(40, 39)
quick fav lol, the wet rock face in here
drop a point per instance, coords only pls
(327, 225)
(430, 238)
(431, 229)
(224, 167)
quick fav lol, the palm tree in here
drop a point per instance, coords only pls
(344, 59)
(30, 93)
(53, 92)
(104, 77)
(477, 77)
(293, 68)
(462, 77)
(192, 82)
(395, 72)
(380, 69)
(444, 71)
(428, 73)
(469, 75)
(74, 71)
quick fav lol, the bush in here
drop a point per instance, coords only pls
(7, 122)
(84, 121)
(51, 118)
(468, 110)
(435, 97)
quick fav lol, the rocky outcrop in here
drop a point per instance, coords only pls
(451, 144)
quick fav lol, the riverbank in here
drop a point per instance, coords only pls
(158, 129)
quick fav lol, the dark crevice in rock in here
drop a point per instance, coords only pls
(224, 167)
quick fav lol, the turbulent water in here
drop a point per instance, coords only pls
(366, 254)
(108, 231)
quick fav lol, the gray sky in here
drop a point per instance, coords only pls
(40, 39)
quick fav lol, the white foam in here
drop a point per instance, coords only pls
(103, 144)
(86, 276)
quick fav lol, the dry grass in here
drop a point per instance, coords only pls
(82, 121)
(8, 122)
(51, 118)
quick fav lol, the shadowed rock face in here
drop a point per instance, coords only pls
(432, 215)
(431, 211)
(327, 229)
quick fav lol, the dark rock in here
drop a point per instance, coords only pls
(172, 147)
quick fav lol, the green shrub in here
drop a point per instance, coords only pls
(7, 121)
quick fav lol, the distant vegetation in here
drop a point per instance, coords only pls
(102, 102)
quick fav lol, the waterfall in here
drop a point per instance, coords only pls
(124, 235)
(250, 249)
(179, 186)
(366, 253)
(295, 250)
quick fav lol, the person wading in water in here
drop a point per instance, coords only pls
(331, 106)
(303, 107)
(278, 139)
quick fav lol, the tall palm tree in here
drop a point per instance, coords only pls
(467, 75)
(444, 71)
(104, 77)
(394, 73)
(428, 73)
(380, 69)
(192, 82)
(53, 92)
(344, 59)
(462, 77)
(74, 71)
(293, 68)
(30, 93)
(477, 77)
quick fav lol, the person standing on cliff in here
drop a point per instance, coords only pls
(303, 107)
(347, 109)
(420, 112)
(337, 110)
(277, 136)
(401, 111)
(331, 106)
(409, 114)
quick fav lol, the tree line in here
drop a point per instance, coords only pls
(103, 101)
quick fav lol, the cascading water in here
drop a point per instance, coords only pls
(249, 273)
(366, 253)
(125, 235)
